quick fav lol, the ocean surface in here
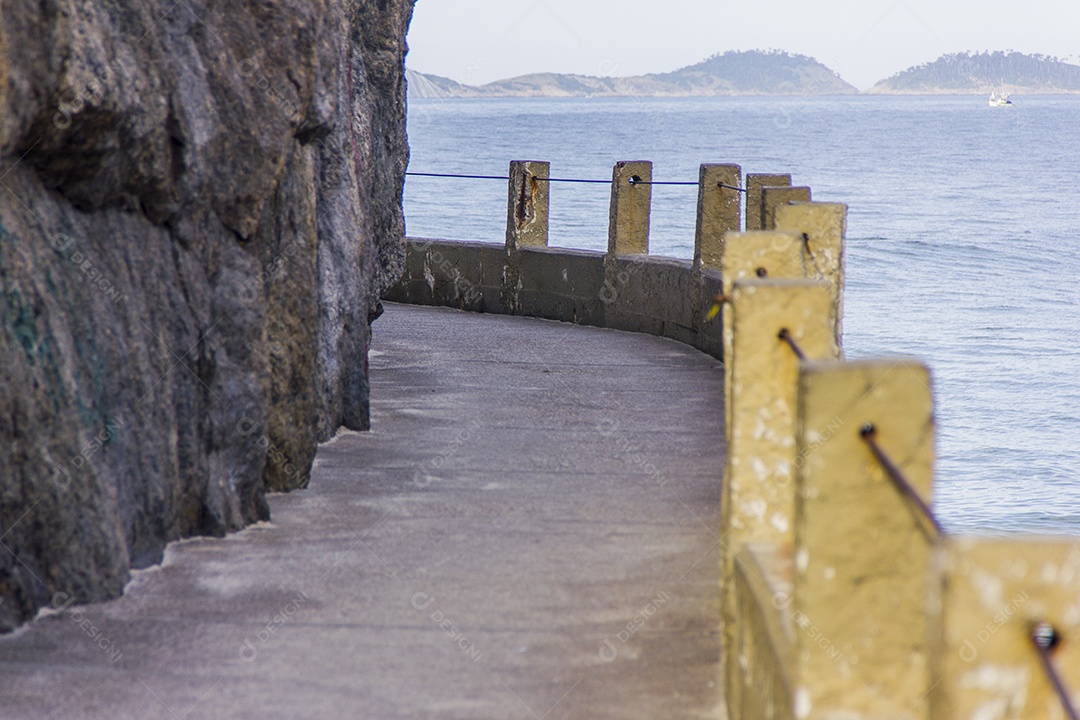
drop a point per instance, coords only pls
(963, 245)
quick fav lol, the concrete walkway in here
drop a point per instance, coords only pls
(529, 532)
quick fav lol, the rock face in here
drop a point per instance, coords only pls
(199, 203)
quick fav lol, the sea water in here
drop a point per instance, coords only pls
(963, 245)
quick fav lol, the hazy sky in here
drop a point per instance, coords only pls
(477, 41)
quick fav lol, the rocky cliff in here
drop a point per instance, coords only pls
(199, 203)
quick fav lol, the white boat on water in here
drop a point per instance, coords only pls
(999, 100)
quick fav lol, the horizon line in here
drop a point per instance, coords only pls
(1053, 58)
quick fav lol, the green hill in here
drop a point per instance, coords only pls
(758, 73)
(963, 73)
(752, 72)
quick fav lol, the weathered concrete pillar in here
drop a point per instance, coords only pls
(754, 183)
(747, 256)
(861, 555)
(985, 595)
(823, 227)
(774, 197)
(527, 204)
(718, 213)
(758, 495)
(631, 204)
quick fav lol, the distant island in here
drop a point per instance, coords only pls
(773, 72)
(753, 72)
(963, 73)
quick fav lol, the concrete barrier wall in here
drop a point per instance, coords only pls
(639, 293)
(764, 635)
(841, 596)
(624, 288)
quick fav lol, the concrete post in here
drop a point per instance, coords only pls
(774, 197)
(748, 256)
(718, 213)
(823, 227)
(861, 555)
(631, 203)
(985, 594)
(527, 204)
(758, 495)
(754, 183)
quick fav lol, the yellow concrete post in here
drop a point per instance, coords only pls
(631, 203)
(861, 555)
(718, 213)
(823, 227)
(985, 594)
(774, 197)
(527, 204)
(758, 496)
(750, 255)
(754, 183)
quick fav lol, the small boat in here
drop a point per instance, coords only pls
(999, 100)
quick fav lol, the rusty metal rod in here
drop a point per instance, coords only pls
(812, 256)
(868, 433)
(1045, 638)
(785, 335)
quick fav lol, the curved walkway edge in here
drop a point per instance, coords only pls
(529, 531)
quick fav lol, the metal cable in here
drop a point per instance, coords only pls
(455, 175)
(632, 180)
(661, 182)
(574, 180)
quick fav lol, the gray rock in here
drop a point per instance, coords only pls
(199, 204)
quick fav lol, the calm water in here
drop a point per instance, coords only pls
(963, 245)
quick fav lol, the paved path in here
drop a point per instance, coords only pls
(528, 533)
